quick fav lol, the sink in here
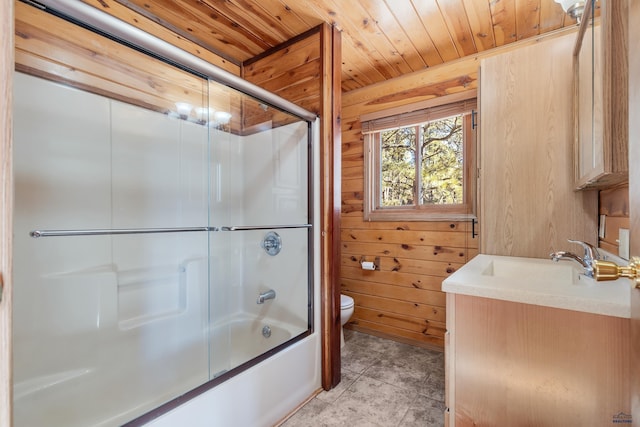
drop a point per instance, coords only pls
(539, 281)
(531, 269)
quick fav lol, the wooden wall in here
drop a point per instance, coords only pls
(52, 48)
(291, 70)
(403, 300)
(115, 8)
(528, 203)
(614, 204)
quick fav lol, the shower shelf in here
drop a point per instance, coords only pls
(104, 231)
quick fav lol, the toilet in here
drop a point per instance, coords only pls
(346, 311)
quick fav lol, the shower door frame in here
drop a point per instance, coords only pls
(330, 149)
(106, 25)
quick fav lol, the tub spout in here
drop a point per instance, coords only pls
(270, 294)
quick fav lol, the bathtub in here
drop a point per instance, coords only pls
(82, 396)
(244, 337)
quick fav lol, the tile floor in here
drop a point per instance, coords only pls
(384, 384)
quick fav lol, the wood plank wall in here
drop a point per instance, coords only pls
(291, 70)
(403, 300)
(52, 48)
(155, 27)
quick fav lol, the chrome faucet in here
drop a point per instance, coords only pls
(591, 254)
(270, 294)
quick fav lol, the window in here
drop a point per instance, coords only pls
(420, 165)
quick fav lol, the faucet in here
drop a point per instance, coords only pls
(591, 254)
(270, 294)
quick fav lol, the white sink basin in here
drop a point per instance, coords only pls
(540, 282)
(533, 269)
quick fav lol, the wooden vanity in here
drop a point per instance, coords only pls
(514, 363)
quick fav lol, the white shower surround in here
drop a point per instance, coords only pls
(268, 390)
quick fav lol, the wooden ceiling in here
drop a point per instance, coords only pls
(382, 39)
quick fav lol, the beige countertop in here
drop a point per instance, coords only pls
(540, 282)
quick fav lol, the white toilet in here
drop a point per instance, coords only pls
(346, 311)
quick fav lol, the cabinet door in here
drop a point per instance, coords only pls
(590, 164)
(526, 156)
(601, 69)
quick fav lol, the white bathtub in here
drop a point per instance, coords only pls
(93, 395)
(240, 339)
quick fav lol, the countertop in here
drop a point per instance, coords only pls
(540, 282)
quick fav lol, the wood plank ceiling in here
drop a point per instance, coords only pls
(382, 39)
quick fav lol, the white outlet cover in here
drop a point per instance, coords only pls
(623, 243)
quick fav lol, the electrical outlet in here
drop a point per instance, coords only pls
(623, 243)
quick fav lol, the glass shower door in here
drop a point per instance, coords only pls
(111, 300)
(162, 231)
(260, 238)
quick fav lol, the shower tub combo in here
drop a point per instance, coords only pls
(164, 258)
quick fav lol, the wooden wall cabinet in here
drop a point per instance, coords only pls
(600, 108)
(514, 364)
(528, 203)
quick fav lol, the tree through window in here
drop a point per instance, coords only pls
(421, 171)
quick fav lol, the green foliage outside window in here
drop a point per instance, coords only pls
(439, 160)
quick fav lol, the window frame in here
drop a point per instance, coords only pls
(373, 211)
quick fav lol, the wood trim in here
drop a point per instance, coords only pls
(336, 123)
(442, 72)
(182, 33)
(450, 362)
(330, 191)
(281, 46)
(463, 211)
(434, 102)
(147, 22)
(6, 207)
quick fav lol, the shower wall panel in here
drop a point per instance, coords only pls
(107, 313)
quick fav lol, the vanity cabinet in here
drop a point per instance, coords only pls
(515, 364)
(600, 95)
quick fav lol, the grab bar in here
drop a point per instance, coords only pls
(103, 231)
(263, 227)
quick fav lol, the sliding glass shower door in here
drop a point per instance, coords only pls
(162, 231)
(104, 304)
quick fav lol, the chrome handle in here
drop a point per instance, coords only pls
(262, 227)
(590, 251)
(608, 270)
(107, 232)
